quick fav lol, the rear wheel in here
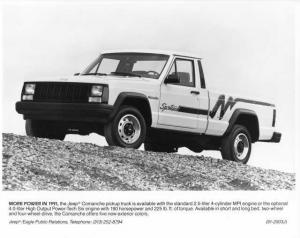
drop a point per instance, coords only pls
(236, 146)
(127, 129)
(45, 129)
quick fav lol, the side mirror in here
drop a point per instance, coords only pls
(76, 74)
(172, 78)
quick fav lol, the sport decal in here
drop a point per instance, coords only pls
(165, 107)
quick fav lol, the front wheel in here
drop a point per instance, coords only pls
(127, 129)
(236, 146)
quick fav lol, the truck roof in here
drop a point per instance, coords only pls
(152, 51)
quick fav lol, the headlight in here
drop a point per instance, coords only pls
(97, 90)
(29, 88)
(27, 97)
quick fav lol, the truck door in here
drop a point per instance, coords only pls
(183, 105)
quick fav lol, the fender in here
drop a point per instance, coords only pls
(234, 117)
(130, 95)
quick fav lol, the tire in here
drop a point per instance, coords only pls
(44, 129)
(149, 146)
(127, 129)
(236, 146)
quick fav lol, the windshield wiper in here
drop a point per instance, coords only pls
(101, 74)
(125, 74)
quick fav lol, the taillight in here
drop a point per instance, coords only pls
(274, 117)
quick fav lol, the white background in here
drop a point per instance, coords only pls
(248, 45)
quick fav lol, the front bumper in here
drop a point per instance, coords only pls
(276, 137)
(80, 112)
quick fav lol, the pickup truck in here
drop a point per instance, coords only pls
(153, 97)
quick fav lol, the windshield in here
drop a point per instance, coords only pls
(128, 64)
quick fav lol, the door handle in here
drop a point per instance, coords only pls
(195, 92)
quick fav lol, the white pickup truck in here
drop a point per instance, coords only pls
(153, 97)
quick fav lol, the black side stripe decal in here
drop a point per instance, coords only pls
(192, 110)
(230, 103)
(224, 106)
(254, 102)
(219, 104)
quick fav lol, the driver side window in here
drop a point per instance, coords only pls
(184, 70)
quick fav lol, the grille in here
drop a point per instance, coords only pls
(61, 92)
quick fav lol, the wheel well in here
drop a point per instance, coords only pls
(251, 123)
(142, 105)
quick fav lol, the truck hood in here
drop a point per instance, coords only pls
(99, 79)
